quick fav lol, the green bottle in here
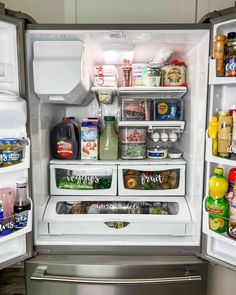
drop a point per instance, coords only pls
(216, 204)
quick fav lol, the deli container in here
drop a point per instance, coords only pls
(135, 109)
(132, 135)
(133, 151)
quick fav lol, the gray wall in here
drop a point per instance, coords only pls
(221, 280)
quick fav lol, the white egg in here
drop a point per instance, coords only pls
(164, 136)
(155, 136)
(173, 137)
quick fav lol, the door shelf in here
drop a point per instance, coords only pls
(214, 159)
(21, 166)
(95, 223)
(213, 80)
(20, 232)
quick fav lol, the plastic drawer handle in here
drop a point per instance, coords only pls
(40, 274)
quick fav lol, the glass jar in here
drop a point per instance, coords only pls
(11, 151)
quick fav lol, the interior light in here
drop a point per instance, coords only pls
(116, 53)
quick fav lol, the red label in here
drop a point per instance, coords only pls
(64, 149)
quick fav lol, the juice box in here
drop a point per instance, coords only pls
(89, 139)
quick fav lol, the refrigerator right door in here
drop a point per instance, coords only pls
(217, 245)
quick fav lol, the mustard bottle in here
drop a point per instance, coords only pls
(213, 134)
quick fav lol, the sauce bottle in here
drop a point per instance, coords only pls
(212, 133)
(109, 140)
(224, 134)
(219, 45)
(216, 204)
(232, 215)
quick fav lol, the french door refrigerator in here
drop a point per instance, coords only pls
(46, 72)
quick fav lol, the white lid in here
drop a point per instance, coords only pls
(22, 180)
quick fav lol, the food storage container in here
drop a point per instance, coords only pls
(11, 151)
(156, 152)
(133, 110)
(174, 74)
(167, 110)
(132, 135)
(133, 151)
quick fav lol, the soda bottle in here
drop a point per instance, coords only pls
(216, 204)
(232, 214)
(22, 204)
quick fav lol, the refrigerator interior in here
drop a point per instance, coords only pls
(182, 228)
(219, 247)
(13, 117)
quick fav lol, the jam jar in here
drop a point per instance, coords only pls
(11, 151)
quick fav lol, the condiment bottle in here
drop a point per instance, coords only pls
(126, 73)
(216, 204)
(219, 54)
(212, 133)
(232, 215)
(231, 180)
(224, 134)
(109, 140)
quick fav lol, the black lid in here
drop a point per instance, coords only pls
(231, 35)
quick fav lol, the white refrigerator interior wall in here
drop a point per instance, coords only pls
(71, 11)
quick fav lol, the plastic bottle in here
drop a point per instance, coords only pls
(109, 140)
(219, 54)
(22, 204)
(216, 204)
(231, 181)
(224, 134)
(65, 140)
(213, 133)
(232, 215)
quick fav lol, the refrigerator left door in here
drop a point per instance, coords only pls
(15, 244)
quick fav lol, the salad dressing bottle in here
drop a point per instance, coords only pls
(109, 140)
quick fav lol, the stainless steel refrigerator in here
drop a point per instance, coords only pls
(46, 72)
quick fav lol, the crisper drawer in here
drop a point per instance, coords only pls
(108, 216)
(151, 179)
(83, 179)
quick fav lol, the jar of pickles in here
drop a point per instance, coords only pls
(10, 151)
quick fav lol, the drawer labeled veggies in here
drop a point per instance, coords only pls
(152, 180)
(80, 179)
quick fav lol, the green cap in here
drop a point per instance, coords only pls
(219, 170)
(109, 118)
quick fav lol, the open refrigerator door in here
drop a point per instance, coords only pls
(15, 243)
(218, 242)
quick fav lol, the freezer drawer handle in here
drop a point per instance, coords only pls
(40, 274)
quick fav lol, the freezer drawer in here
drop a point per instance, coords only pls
(85, 275)
(83, 179)
(151, 179)
(165, 216)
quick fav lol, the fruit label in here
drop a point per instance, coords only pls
(64, 149)
(157, 178)
(218, 214)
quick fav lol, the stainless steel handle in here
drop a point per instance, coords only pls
(40, 274)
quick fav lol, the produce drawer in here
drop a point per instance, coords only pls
(151, 179)
(83, 180)
(166, 216)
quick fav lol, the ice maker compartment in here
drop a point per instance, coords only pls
(61, 73)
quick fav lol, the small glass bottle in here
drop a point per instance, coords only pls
(22, 204)
(109, 140)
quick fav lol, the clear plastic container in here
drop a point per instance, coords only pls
(133, 151)
(132, 135)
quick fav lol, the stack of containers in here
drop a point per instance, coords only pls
(105, 76)
(133, 143)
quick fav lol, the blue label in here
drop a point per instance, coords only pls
(155, 154)
(11, 156)
(21, 219)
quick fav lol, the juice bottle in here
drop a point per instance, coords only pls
(64, 140)
(216, 204)
(232, 215)
(109, 140)
(213, 133)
